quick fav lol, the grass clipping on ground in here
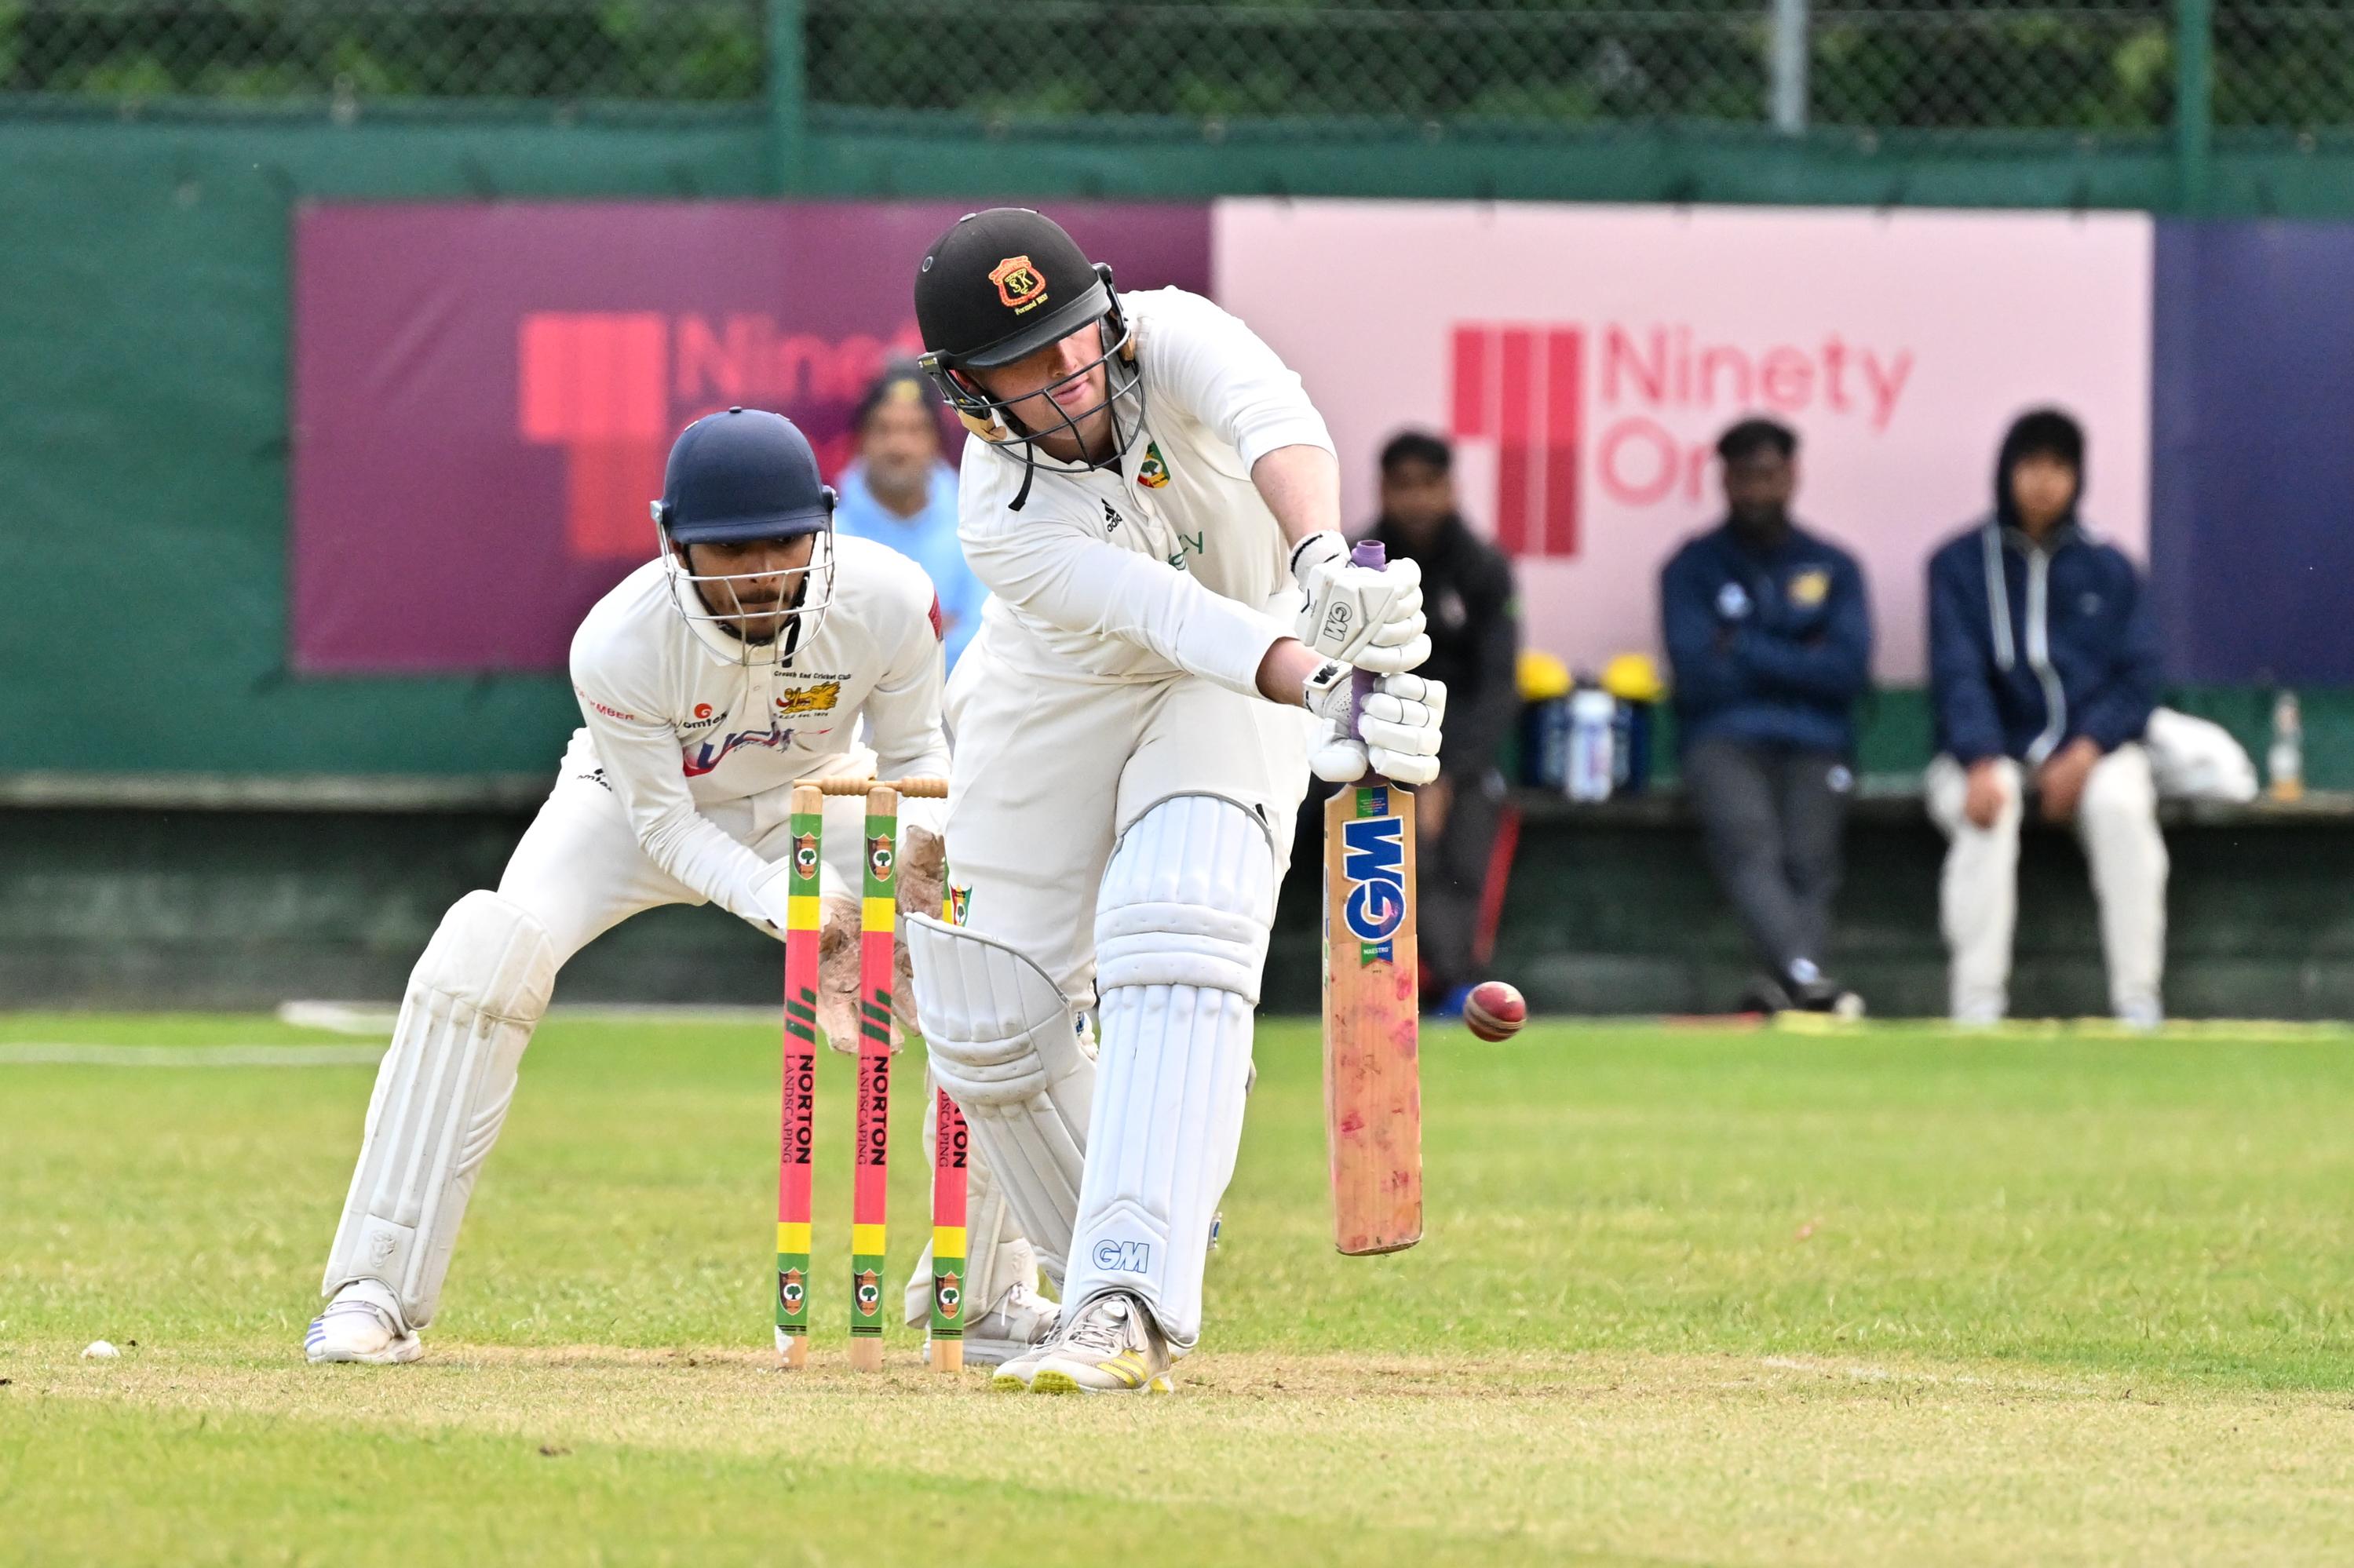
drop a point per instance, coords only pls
(1686, 1296)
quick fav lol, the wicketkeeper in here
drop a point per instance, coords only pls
(1154, 505)
(741, 659)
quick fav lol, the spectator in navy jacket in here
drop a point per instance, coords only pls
(2043, 668)
(1769, 637)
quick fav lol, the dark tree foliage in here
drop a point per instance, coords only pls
(2094, 67)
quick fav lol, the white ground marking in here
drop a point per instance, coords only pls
(45, 1053)
(376, 1018)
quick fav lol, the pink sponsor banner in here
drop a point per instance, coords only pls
(1585, 359)
(485, 394)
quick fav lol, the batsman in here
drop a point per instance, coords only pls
(1154, 504)
(743, 657)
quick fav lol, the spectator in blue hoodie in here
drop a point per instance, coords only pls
(1769, 641)
(901, 492)
(2043, 669)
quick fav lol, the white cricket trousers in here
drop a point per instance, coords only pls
(1050, 770)
(2116, 822)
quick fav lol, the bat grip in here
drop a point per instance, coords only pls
(1375, 554)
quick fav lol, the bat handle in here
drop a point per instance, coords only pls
(1375, 554)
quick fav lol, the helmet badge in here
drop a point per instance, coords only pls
(1018, 284)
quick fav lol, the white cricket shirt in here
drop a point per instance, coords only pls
(1167, 561)
(674, 725)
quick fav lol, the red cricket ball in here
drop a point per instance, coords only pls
(1494, 1011)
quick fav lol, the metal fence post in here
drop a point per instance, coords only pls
(788, 98)
(1790, 66)
(2194, 101)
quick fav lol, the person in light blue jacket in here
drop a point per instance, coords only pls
(900, 491)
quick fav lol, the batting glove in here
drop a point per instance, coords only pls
(1396, 733)
(1367, 615)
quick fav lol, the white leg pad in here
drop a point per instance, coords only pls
(1007, 1048)
(1181, 936)
(441, 1097)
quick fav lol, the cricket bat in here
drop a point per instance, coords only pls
(1373, 1065)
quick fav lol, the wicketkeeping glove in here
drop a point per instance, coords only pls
(922, 873)
(1367, 615)
(1396, 735)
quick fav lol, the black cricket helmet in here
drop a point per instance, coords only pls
(996, 288)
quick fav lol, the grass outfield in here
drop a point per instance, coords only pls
(1687, 1295)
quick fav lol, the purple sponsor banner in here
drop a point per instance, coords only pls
(484, 394)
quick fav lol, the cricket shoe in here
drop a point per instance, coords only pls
(1113, 1346)
(1022, 1321)
(361, 1324)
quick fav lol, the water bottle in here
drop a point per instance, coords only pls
(1593, 718)
(2285, 762)
(1544, 745)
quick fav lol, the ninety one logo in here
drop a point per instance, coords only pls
(1629, 409)
(611, 388)
(1372, 864)
(1518, 386)
(1124, 1258)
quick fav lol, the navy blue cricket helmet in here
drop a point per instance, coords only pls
(743, 474)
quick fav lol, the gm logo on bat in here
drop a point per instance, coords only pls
(1374, 862)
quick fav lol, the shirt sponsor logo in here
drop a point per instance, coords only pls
(701, 760)
(606, 708)
(809, 699)
(1152, 472)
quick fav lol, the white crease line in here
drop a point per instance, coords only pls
(376, 1018)
(43, 1054)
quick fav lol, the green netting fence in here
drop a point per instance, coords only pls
(2103, 69)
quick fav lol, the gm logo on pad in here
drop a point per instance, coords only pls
(1124, 1258)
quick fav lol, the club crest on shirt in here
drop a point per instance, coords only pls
(880, 856)
(958, 908)
(809, 699)
(1810, 588)
(1152, 472)
(1018, 284)
(804, 854)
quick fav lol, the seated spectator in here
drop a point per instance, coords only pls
(901, 492)
(2043, 668)
(1475, 637)
(1769, 641)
